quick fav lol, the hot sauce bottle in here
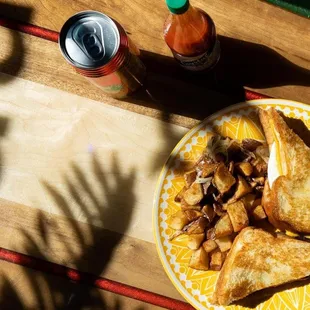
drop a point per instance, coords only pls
(190, 34)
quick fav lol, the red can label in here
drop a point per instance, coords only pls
(111, 84)
(126, 79)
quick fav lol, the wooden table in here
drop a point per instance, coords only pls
(78, 175)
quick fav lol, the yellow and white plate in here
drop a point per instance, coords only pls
(239, 121)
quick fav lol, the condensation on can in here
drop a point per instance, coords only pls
(122, 74)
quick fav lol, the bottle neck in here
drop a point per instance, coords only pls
(191, 33)
(191, 15)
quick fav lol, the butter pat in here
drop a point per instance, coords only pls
(274, 166)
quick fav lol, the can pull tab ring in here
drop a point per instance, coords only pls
(93, 46)
(89, 37)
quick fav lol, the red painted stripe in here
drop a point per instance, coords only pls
(251, 95)
(29, 29)
(90, 279)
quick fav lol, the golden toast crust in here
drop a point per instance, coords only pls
(264, 120)
(259, 260)
(290, 196)
(269, 204)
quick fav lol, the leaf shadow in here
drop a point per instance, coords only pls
(9, 297)
(13, 62)
(112, 206)
(170, 136)
(99, 251)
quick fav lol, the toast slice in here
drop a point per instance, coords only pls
(258, 260)
(287, 202)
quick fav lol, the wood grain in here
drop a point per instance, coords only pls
(263, 47)
(250, 20)
(23, 288)
(258, 52)
(82, 175)
(40, 61)
(82, 246)
(81, 158)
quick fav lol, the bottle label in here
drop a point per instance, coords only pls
(201, 62)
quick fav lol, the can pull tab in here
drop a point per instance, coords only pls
(93, 46)
(89, 37)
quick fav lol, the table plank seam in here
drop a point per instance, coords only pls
(92, 280)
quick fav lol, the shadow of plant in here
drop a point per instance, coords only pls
(112, 207)
(170, 138)
(13, 62)
(9, 294)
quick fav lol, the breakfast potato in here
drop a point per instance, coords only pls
(231, 167)
(248, 201)
(233, 148)
(223, 179)
(242, 189)
(179, 196)
(209, 245)
(185, 206)
(217, 260)
(238, 215)
(224, 243)
(176, 234)
(259, 180)
(211, 233)
(218, 209)
(263, 152)
(193, 215)
(258, 213)
(244, 168)
(259, 189)
(208, 212)
(224, 255)
(250, 144)
(208, 169)
(222, 190)
(178, 220)
(259, 167)
(190, 178)
(253, 184)
(195, 240)
(198, 226)
(218, 198)
(224, 206)
(257, 202)
(194, 194)
(223, 227)
(199, 260)
(208, 188)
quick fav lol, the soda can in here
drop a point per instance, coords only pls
(99, 49)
